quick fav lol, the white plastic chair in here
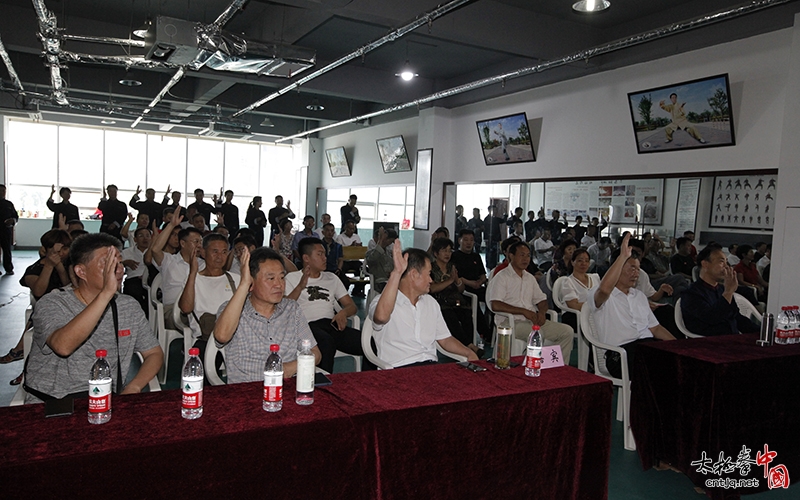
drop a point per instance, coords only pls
(355, 322)
(624, 383)
(210, 361)
(165, 337)
(747, 308)
(695, 273)
(474, 307)
(583, 345)
(681, 324)
(153, 385)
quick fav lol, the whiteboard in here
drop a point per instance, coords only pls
(620, 200)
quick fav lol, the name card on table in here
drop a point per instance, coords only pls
(551, 356)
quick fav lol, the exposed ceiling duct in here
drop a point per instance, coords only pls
(583, 55)
(10, 67)
(421, 20)
(48, 34)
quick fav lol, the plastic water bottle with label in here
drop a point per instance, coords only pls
(533, 359)
(783, 330)
(305, 374)
(100, 389)
(192, 386)
(794, 324)
(273, 380)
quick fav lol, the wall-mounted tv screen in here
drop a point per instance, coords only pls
(506, 140)
(688, 115)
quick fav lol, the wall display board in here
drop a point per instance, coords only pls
(337, 162)
(744, 201)
(422, 192)
(620, 199)
(686, 211)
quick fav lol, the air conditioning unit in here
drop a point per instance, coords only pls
(225, 131)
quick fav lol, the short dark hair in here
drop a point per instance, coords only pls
(77, 232)
(308, 217)
(465, 232)
(75, 221)
(353, 197)
(705, 253)
(306, 245)
(637, 244)
(442, 229)
(263, 254)
(110, 186)
(440, 244)
(578, 252)
(567, 243)
(681, 241)
(512, 249)
(328, 224)
(283, 223)
(391, 234)
(198, 214)
(229, 191)
(53, 236)
(245, 239)
(198, 190)
(508, 242)
(187, 231)
(212, 237)
(64, 190)
(416, 260)
(743, 250)
(673, 94)
(139, 230)
(688, 232)
(606, 240)
(80, 252)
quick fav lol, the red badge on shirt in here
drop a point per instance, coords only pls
(124, 333)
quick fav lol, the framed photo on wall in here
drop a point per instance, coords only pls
(422, 192)
(744, 201)
(506, 140)
(394, 157)
(688, 115)
(337, 162)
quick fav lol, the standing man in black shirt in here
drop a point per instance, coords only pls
(349, 212)
(201, 206)
(494, 228)
(513, 219)
(476, 224)
(278, 213)
(149, 206)
(229, 212)
(461, 221)
(9, 216)
(65, 208)
(114, 212)
(557, 227)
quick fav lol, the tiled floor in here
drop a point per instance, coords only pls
(627, 481)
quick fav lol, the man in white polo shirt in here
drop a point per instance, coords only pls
(406, 320)
(514, 290)
(622, 315)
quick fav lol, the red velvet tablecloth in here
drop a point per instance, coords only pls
(429, 432)
(715, 395)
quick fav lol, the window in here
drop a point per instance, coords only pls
(86, 159)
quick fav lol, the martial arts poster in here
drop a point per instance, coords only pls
(744, 201)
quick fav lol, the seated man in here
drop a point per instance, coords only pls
(406, 320)
(306, 232)
(317, 292)
(174, 268)
(257, 316)
(133, 260)
(379, 259)
(235, 258)
(205, 291)
(621, 313)
(514, 290)
(656, 266)
(350, 238)
(682, 262)
(600, 253)
(708, 305)
(473, 274)
(334, 254)
(70, 324)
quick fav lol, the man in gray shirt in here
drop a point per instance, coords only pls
(70, 324)
(257, 316)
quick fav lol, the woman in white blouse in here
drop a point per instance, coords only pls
(575, 290)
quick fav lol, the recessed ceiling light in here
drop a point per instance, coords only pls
(130, 80)
(107, 122)
(315, 106)
(588, 6)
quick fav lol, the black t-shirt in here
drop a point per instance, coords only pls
(469, 265)
(152, 208)
(230, 214)
(114, 214)
(203, 208)
(491, 227)
(66, 208)
(681, 264)
(36, 269)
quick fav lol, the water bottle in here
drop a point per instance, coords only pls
(305, 374)
(794, 325)
(192, 385)
(273, 381)
(100, 389)
(782, 328)
(533, 360)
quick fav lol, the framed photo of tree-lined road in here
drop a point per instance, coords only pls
(506, 140)
(689, 115)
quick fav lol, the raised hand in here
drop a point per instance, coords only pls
(288, 203)
(400, 260)
(62, 222)
(138, 190)
(176, 217)
(276, 242)
(52, 190)
(110, 281)
(624, 249)
(667, 289)
(130, 217)
(193, 265)
(245, 280)
(731, 281)
(53, 257)
(168, 190)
